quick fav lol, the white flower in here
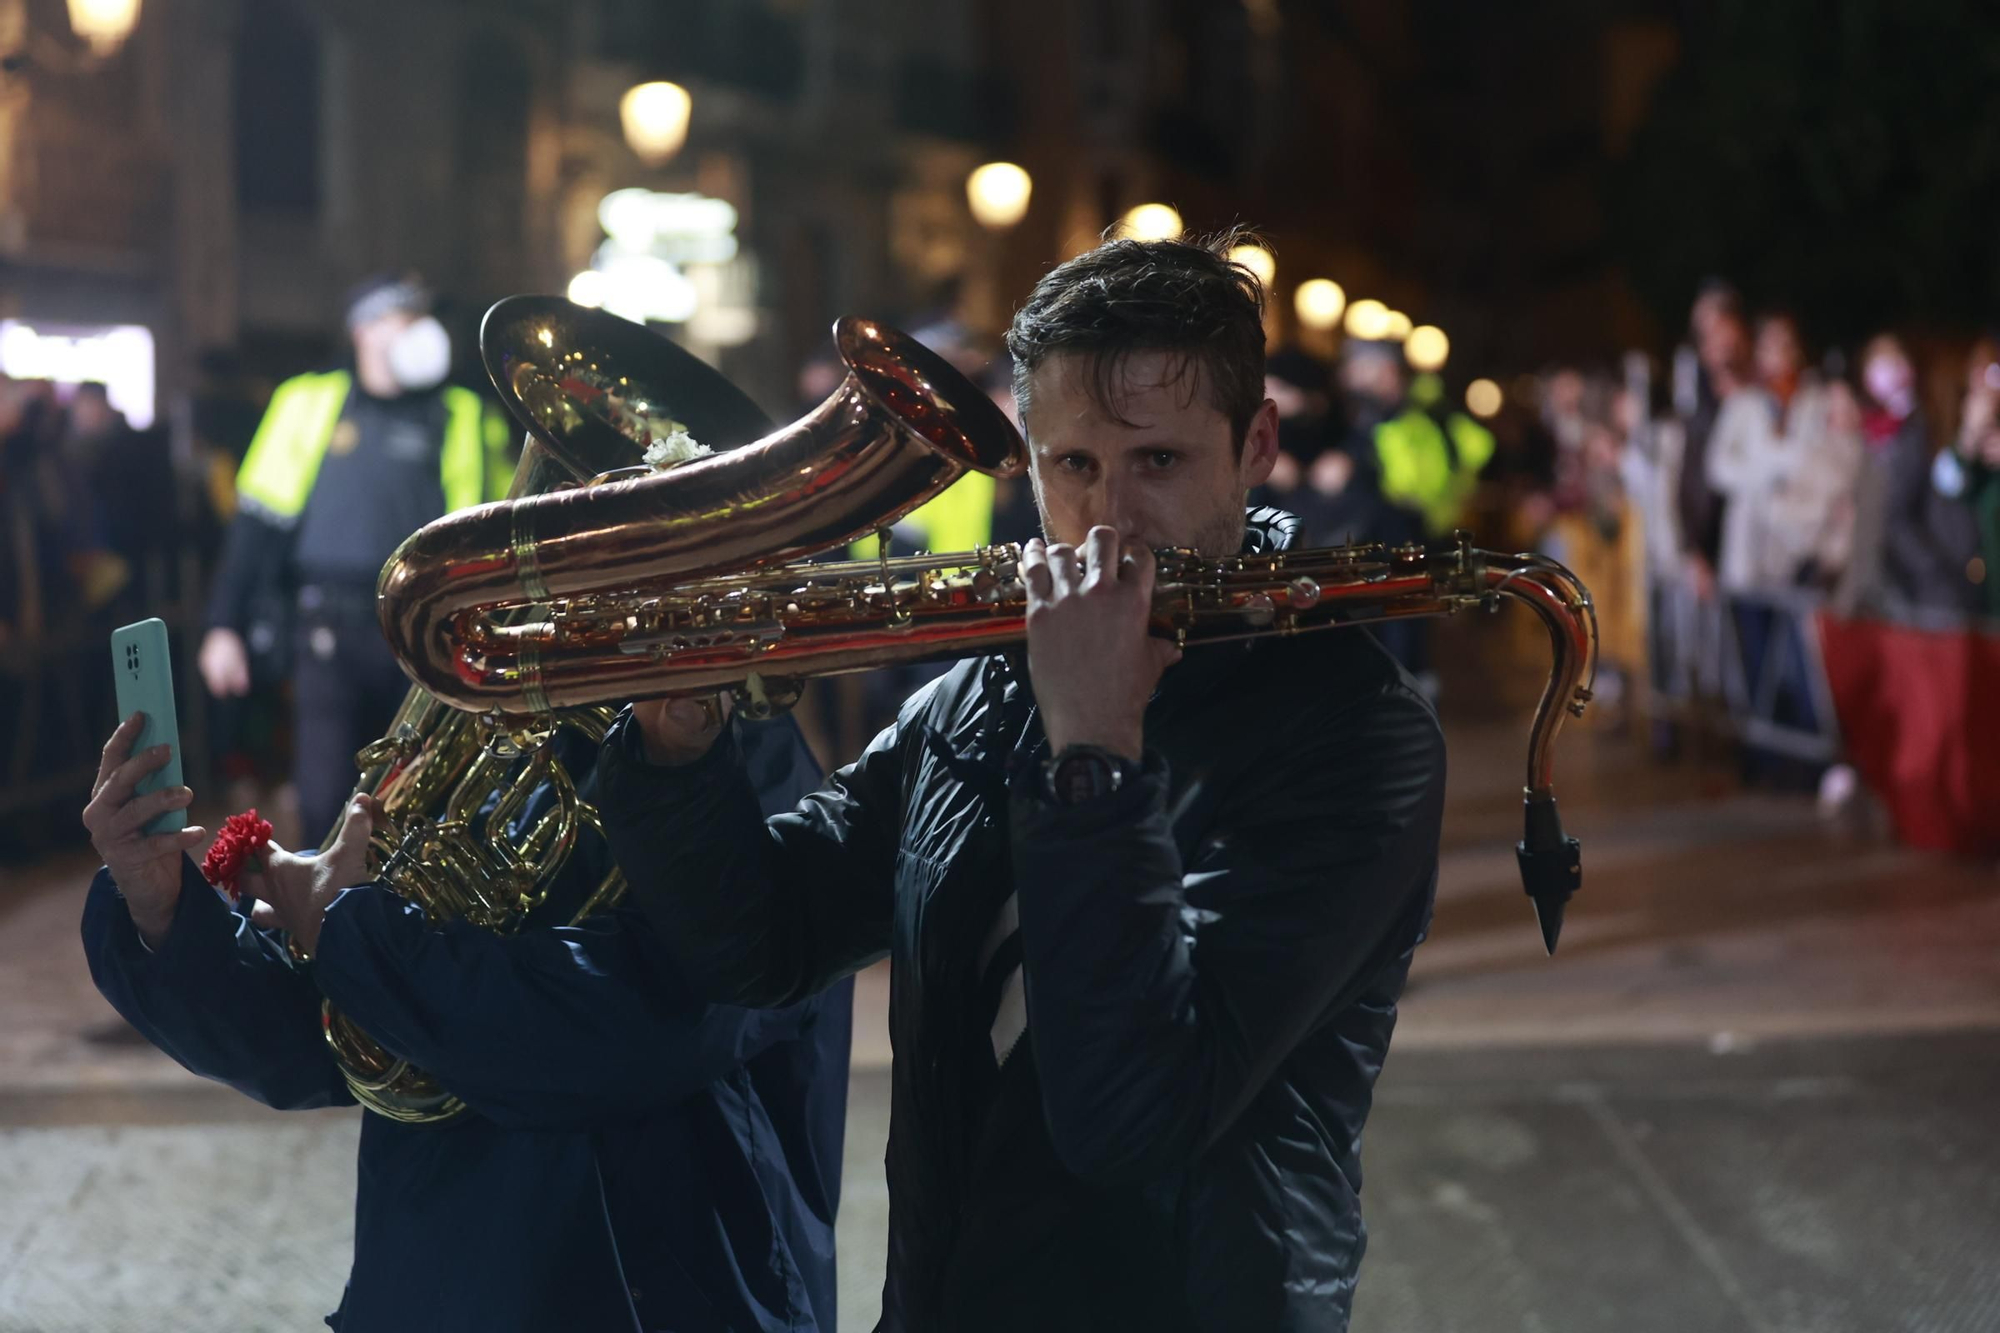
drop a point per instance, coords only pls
(679, 447)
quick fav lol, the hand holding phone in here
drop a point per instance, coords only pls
(143, 665)
(146, 868)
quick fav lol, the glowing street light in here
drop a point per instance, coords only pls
(588, 288)
(998, 193)
(655, 117)
(1367, 319)
(1426, 348)
(1319, 302)
(1482, 397)
(105, 24)
(1151, 222)
(1397, 326)
(1257, 259)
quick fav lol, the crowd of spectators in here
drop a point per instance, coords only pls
(1713, 500)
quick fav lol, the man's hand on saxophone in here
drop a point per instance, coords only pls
(680, 731)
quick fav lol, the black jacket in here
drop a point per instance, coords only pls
(1212, 959)
(1927, 539)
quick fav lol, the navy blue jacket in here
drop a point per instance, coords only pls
(636, 1159)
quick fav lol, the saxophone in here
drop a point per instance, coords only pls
(600, 582)
(694, 581)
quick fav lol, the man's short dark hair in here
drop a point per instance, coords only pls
(1183, 297)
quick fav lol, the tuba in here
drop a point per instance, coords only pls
(694, 580)
(463, 758)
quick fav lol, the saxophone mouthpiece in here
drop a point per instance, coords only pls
(1551, 864)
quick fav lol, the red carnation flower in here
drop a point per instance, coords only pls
(238, 846)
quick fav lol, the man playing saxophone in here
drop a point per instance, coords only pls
(1149, 911)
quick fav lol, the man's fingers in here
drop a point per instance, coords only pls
(1035, 574)
(135, 813)
(1141, 568)
(1100, 556)
(1063, 570)
(116, 750)
(265, 917)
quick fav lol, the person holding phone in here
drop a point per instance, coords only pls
(633, 1158)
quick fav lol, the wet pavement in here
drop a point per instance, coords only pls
(1754, 1091)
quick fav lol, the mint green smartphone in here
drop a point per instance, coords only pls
(144, 668)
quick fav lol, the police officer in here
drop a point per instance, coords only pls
(344, 466)
(1425, 460)
(1428, 456)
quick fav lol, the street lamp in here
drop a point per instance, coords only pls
(655, 117)
(1151, 222)
(1257, 259)
(1482, 396)
(104, 24)
(1426, 348)
(1319, 302)
(1396, 326)
(1368, 319)
(998, 193)
(588, 288)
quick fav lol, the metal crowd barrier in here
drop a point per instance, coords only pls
(1757, 654)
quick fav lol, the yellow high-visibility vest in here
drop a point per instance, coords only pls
(958, 520)
(1419, 471)
(283, 460)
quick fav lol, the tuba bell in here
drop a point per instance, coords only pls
(480, 735)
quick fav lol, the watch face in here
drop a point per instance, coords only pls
(1081, 777)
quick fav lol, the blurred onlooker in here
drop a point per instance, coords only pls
(1786, 458)
(128, 474)
(1912, 546)
(1969, 472)
(1565, 415)
(57, 564)
(1721, 368)
(1595, 528)
(1301, 387)
(1336, 497)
